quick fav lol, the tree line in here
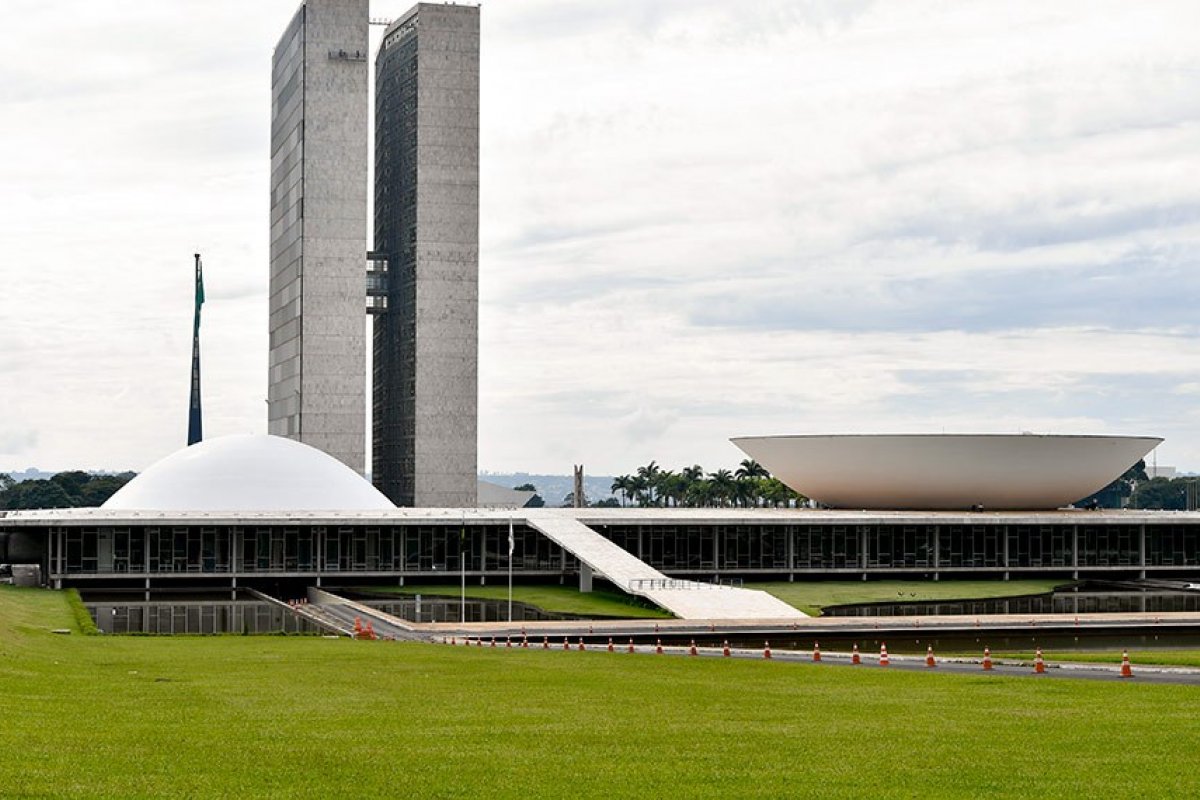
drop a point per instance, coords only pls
(748, 486)
(1136, 489)
(73, 489)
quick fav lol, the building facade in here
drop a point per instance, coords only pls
(163, 549)
(319, 183)
(425, 375)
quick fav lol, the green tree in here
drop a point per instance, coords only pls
(1117, 493)
(96, 491)
(648, 474)
(722, 486)
(525, 487)
(72, 482)
(623, 485)
(749, 468)
(1161, 493)
(36, 494)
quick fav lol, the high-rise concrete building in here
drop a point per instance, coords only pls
(427, 230)
(319, 185)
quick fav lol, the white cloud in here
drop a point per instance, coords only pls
(699, 219)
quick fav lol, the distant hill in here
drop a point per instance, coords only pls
(31, 474)
(553, 488)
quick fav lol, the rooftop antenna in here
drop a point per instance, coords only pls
(195, 425)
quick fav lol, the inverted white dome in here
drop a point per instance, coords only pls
(249, 473)
(947, 471)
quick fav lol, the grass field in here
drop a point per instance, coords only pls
(236, 716)
(811, 596)
(560, 599)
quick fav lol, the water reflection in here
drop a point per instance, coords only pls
(196, 617)
(449, 609)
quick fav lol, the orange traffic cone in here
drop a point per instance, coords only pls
(566, 644)
(692, 649)
(493, 641)
(358, 628)
(508, 641)
(816, 651)
(929, 659)
(631, 645)
(1039, 664)
(370, 633)
(610, 647)
(658, 646)
(581, 647)
(479, 642)
(1126, 669)
(987, 658)
(883, 657)
(725, 649)
(855, 658)
(766, 649)
(524, 641)
(453, 641)
(545, 642)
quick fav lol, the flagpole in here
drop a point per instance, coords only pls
(510, 555)
(195, 421)
(462, 568)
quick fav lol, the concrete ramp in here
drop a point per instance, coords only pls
(684, 599)
(345, 610)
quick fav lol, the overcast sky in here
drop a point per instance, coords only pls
(700, 219)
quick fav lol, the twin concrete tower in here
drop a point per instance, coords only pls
(420, 281)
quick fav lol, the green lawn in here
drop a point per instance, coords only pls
(811, 596)
(239, 717)
(560, 599)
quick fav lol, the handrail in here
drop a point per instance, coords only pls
(650, 584)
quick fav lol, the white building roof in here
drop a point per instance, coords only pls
(249, 473)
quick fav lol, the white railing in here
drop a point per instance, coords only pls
(651, 584)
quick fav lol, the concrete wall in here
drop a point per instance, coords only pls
(447, 307)
(445, 274)
(319, 230)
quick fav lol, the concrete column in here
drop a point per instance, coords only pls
(1142, 552)
(937, 554)
(585, 578)
(1006, 564)
(717, 550)
(1075, 552)
(791, 554)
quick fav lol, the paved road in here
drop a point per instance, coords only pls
(836, 660)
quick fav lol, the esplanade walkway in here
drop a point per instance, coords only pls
(683, 598)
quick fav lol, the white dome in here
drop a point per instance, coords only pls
(249, 473)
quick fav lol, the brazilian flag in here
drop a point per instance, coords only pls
(195, 423)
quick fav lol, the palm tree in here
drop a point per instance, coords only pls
(648, 474)
(750, 468)
(699, 493)
(641, 488)
(722, 485)
(693, 473)
(745, 491)
(624, 485)
(670, 486)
